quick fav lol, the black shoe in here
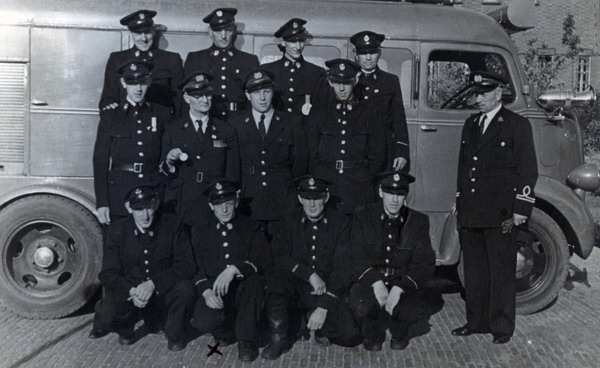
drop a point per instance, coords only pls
(501, 339)
(126, 339)
(398, 344)
(278, 346)
(176, 345)
(96, 333)
(462, 331)
(322, 340)
(247, 351)
(372, 346)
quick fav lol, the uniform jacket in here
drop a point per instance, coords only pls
(404, 245)
(212, 155)
(383, 89)
(349, 132)
(127, 135)
(269, 166)
(167, 74)
(241, 242)
(497, 171)
(163, 254)
(229, 69)
(303, 247)
(293, 82)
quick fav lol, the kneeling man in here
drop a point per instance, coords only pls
(231, 252)
(393, 259)
(146, 267)
(311, 269)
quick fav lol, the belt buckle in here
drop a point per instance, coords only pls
(251, 170)
(199, 177)
(137, 167)
(232, 106)
(339, 164)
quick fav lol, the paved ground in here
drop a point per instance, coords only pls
(564, 335)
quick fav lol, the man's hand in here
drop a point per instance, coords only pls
(221, 285)
(173, 156)
(144, 291)
(317, 319)
(507, 226)
(399, 163)
(135, 300)
(519, 219)
(393, 299)
(103, 214)
(381, 292)
(112, 106)
(212, 301)
(317, 284)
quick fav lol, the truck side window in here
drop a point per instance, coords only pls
(400, 62)
(448, 77)
(315, 54)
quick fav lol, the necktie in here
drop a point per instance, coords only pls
(200, 132)
(482, 124)
(261, 127)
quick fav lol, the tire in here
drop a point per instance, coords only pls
(51, 254)
(542, 266)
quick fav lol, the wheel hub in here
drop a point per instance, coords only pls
(44, 257)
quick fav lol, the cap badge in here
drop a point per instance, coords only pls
(342, 67)
(258, 75)
(311, 181)
(396, 177)
(477, 78)
(137, 191)
(295, 25)
(199, 78)
(219, 13)
(142, 16)
(133, 67)
(366, 38)
(218, 186)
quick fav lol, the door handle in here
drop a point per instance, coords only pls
(36, 102)
(428, 128)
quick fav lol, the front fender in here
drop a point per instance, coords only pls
(569, 211)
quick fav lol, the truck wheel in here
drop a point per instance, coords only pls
(542, 267)
(51, 254)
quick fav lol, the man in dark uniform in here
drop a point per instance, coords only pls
(383, 89)
(273, 151)
(345, 138)
(497, 171)
(196, 150)
(127, 150)
(231, 253)
(310, 253)
(167, 73)
(393, 259)
(223, 61)
(296, 80)
(146, 267)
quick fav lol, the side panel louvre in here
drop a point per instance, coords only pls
(12, 112)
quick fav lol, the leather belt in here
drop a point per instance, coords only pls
(345, 164)
(490, 172)
(229, 106)
(136, 167)
(251, 170)
(387, 271)
(199, 177)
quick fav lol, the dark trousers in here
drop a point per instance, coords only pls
(243, 305)
(374, 319)
(115, 313)
(489, 267)
(284, 288)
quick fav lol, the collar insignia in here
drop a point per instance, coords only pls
(500, 119)
(229, 225)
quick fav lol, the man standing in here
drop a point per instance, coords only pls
(197, 149)
(393, 259)
(311, 269)
(231, 254)
(497, 171)
(224, 62)
(346, 139)
(127, 150)
(167, 74)
(296, 80)
(273, 151)
(146, 267)
(383, 89)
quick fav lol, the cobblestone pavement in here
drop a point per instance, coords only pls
(564, 335)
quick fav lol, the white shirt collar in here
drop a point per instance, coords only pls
(203, 119)
(490, 116)
(268, 117)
